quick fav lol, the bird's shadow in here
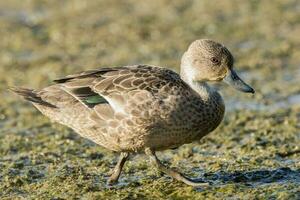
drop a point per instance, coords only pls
(252, 178)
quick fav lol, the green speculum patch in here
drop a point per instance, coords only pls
(97, 99)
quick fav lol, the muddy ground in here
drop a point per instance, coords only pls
(254, 154)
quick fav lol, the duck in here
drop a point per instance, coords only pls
(143, 108)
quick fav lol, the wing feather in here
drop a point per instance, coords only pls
(113, 86)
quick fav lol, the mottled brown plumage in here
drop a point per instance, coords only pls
(142, 107)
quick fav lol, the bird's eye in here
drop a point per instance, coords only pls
(215, 60)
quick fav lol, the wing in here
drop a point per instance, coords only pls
(79, 86)
(121, 87)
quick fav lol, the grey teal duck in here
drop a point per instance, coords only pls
(143, 108)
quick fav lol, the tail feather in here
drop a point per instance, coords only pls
(30, 95)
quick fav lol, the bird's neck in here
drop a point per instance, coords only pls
(201, 87)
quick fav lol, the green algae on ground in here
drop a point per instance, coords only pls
(254, 154)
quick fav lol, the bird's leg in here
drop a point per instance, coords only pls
(118, 168)
(170, 172)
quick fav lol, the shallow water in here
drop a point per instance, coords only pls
(293, 100)
(254, 154)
